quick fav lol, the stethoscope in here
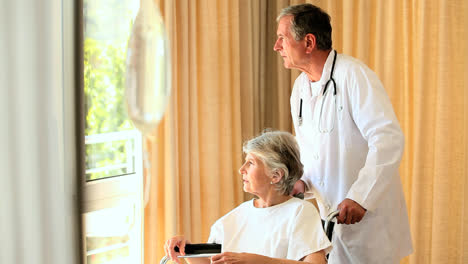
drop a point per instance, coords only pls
(332, 81)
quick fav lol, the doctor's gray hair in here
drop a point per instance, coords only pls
(279, 152)
(309, 19)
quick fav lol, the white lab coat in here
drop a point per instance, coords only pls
(358, 159)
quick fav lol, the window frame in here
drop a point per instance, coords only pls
(107, 192)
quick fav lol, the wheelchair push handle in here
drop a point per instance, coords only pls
(328, 226)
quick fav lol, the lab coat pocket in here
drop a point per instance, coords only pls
(355, 235)
(368, 240)
(340, 111)
(344, 123)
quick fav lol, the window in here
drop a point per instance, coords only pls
(113, 200)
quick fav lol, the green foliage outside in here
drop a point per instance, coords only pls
(104, 87)
(104, 71)
(107, 25)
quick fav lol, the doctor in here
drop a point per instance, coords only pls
(350, 141)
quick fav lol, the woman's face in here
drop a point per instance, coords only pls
(254, 175)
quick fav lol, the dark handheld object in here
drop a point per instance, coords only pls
(204, 248)
(299, 195)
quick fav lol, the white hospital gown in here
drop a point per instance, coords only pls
(290, 230)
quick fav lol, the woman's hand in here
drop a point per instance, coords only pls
(238, 258)
(170, 244)
(316, 258)
(247, 258)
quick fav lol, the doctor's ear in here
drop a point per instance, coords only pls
(310, 42)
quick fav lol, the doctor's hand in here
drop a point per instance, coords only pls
(350, 212)
(299, 187)
(238, 258)
(170, 244)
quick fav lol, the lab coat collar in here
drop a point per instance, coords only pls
(327, 68)
(307, 89)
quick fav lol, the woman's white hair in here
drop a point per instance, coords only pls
(279, 152)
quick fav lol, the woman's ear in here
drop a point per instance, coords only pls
(277, 175)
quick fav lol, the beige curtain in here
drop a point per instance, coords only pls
(418, 48)
(229, 85)
(196, 150)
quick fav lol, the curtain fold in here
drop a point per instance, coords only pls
(229, 84)
(196, 150)
(39, 219)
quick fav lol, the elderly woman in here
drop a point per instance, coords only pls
(275, 227)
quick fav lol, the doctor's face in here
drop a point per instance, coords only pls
(287, 46)
(254, 175)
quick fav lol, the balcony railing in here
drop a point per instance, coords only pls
(112, 154)
(113, 206)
